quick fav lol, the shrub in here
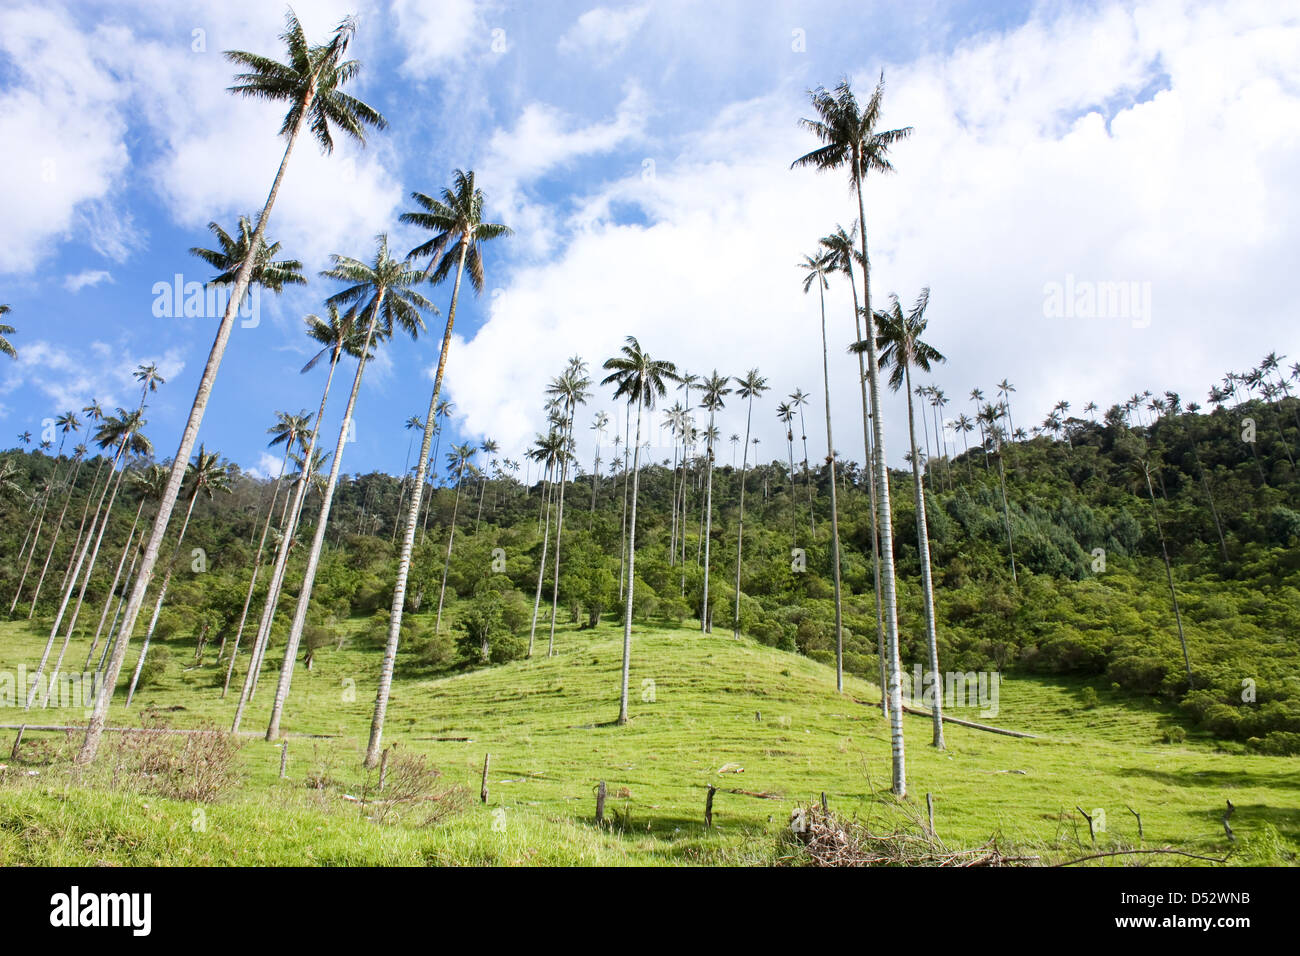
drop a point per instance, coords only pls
(155, 666)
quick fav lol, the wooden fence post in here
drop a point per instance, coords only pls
(929, 809)
(13, 754)
(383, 767)
(1139, 820)
(284, 757)
(708, 807)
(483, 792)
(1092, 834)
(1227, 829)
(600, 804)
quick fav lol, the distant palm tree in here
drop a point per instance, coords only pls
(547, 451)
(488, 447)
(67, 422)
(412, 424)
(208, 473)
(573, 389)
(715, 391)
(990, 415)
(785, 415)
(457, 460)
(751, 386)
(598, 425)
(288, 431)
(383, 292)
(965, 426)
(640, 380)
(311, 83)
(901, 347)
(850, 139)
(816, 268)
(1143, 469)
(338, 335)
(798, 399)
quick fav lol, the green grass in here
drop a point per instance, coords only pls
(715, 701)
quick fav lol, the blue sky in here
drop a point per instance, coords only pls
(641, 153)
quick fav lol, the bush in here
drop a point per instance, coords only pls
(156, 663)
(1088, 699)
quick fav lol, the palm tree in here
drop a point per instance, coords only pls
(68, 422)
(901, 347)
(488, 447)
(5, 331)
(817, 267)
(573, 389)
(229, 259)
(715, 390)
(640, 380)
(785, 415)
(1005, 389)
(547, 451)
(598, 425)
(1143, 469)
(338, 335)
(122, 430)
(990, 415)
(457, 221)
(412, 424)
(288, 430)
(208, 474)
(311, 82)
(382, 290)
(457, 460)
(849, 138)
(798, 399)
(965, 426)
(749, 387)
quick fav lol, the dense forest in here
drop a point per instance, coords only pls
(1048, 554)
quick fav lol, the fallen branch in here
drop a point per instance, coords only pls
(1164, 850)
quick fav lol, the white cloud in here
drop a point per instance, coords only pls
(60, 118)
(70, 377)
(603, 31)
(438, 34)
(1013, 179)
(88, 277)
(267, 467)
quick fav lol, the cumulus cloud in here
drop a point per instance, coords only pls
(87, 277)
(1105, 145)
(69, 377)
(603, 31)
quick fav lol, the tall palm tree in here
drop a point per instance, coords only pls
(798, 399)
(412, 424)
(1005, 388)
(1143, 468)
(598, 425)
(990, 415)
(382, 290)
(488, 447)
(458, 459)
(715, 391)
(901, 347)
(640, 380)
(965, 426)
(573, 388)
(235, 251)
(459, 231)
(122, 430)
(68, 422)
(785, 415)
(547, 451)
(311, 81)
(338, 335)
(817, 268)
(750, 387)
(288, 431)
(850, 139)
(209, 473)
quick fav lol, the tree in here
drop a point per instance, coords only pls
(901, 347)
(817, 268)
(1144, 470)
(749, 387)
(383, 291)
(573, 389)
(850, 139)
(640, 381)
(311, 82)
(208, 474)
(798, 399)
(229, 259)
(715, 390)
(457, 460)
(338, 335)
(459, 231)
(598, 425)
(547, 451)
(5, 331)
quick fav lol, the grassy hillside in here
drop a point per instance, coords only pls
(715, 702)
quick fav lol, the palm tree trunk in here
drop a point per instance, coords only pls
(1169, 575)
(1006, 516)
(927, 585)
(835, 520)
(451, 541)
(117, 575)
(631, 569)
(740, 530)
(95, 728)
(708, 532)
(541, 565)
(81, 528)
(288, 529)
(162, 596)
(318, 541)
(622, 553)
(884, 519)
(257, 560)
(58, 529)
(559, 530)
